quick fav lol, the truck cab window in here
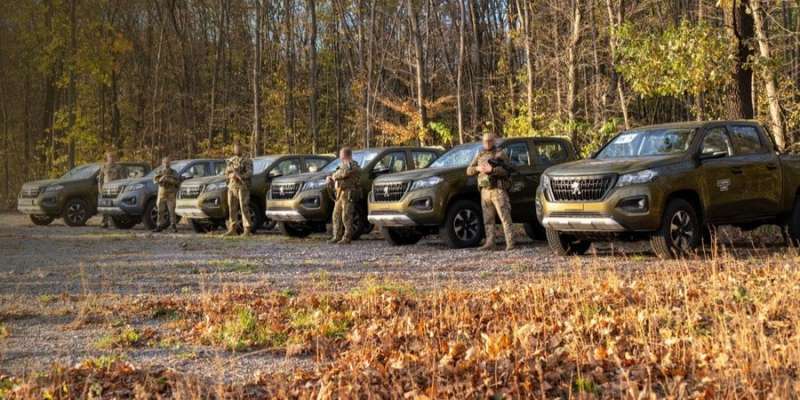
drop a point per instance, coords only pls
(746, 140)
(716, 141)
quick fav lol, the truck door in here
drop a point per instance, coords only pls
(523, 182)
(761, 170)
(721, 177)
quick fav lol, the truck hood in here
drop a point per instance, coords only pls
(39, 184)
(204, 180)
(304, 177)
(127, 182)
(417, 174)
(615, 166)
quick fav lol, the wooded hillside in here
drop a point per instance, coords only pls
(186, 77)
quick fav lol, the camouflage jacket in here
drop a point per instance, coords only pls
(239, 171)
(498, 178)
(108, 172)
(347, 176)
(167, 179)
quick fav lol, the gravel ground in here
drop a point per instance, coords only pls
(42, 268)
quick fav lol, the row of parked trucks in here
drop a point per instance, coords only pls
(671, 184)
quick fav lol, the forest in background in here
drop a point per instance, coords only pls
(148, 78)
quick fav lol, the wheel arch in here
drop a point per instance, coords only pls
(692, 197)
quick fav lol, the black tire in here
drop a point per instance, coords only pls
(41, 220)
(793, 225)
(564, 244)
(76, 212)
(680, 232)
(294, 230)
(401, 236)
(269, 224)
(202, 226)
(535, 231)
(361, 225)
(150, 216)
(463, 225)
(123, 221)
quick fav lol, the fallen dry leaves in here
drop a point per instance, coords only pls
(725, 331)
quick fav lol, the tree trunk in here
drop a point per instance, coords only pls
(739, 25)
(460, 73)
(290, 122)
(256, 140)
(72, 90)
(572, 48)
(527, 37)
(215, 72)
(771, 84)
(312, 49)
(419, 61)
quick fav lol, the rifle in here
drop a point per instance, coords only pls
(496, 162)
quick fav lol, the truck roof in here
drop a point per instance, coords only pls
(696, 124)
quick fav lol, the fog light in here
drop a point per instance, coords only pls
(311, 202)
(49, 201)
(423, 204)
(211, 203)
(130, 201)
(634, 204)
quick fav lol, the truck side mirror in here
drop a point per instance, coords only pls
(275, 173)
(186, 175)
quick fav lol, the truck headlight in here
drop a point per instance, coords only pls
(134, 187)
(314, 185)
(425, 183)
(213, 187)
(636, 178)
(53, 189)
(545, 183)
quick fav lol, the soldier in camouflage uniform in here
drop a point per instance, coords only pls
(109, 171)
(239, 171)
(493, 183)
(168, 183)
(345, 180)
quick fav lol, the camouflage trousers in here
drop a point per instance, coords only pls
(166, 208)
(239, 206)
(343, 213)
(495, 202)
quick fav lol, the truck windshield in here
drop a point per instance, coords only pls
(82, 172)
(177, 166)
(362, 157)
(651, 142)
(459, 156)
(261, 163)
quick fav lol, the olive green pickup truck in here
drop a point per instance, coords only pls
(302, 204)
(669, 184)
(204, 201)
(442, 198)
(72, 196)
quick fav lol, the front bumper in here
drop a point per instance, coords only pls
(126, 203)
(417, 208)
(209, 205)
(42, 205)
(305, 206)
(607, 215)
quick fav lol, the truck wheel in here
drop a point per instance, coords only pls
(294, 230)
(124, 221)
(76, 212)
(257, 217)
(401, 236)
(463, 225)
(361, 225)
(269, 224)
(793, 225)
(680, 231)
(150, 216)
(535, 230)
(41, 220)
(564, 244)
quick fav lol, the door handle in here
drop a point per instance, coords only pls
(772, 167)
(736, 171)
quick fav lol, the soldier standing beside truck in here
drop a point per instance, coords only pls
(347, 192)
(239, 171)
(110, 171)
(493, 182)
(168, 182)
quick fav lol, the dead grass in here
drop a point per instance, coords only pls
(724, 328)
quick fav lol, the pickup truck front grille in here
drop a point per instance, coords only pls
(190, 191)
(111, 192)
(580, 188)
(29, 192)
(284, 191)
(390, 191)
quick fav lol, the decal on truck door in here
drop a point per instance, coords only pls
(724, 184)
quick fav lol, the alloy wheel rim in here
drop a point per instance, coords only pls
(465, 225)
(154, 215)
(681, 230)
(75, 213)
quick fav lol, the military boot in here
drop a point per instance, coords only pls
(488, 245)
(510, 245)
(334, 240)
(345, 240)
(230, 232)
(159, 228)
(174, 228)
(246, 233)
